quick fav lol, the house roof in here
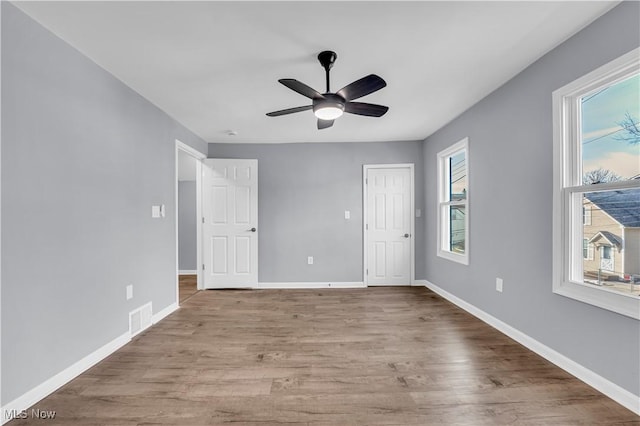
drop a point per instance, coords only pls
(612, 238)
(621, 205)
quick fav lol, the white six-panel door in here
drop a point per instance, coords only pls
(388, 225)
(230, 222)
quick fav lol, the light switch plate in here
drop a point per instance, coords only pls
(310, 260)
(499, 284)
(129, 291)
(155, 212)
(347, 214)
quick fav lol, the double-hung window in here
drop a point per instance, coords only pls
(453, 202)
(596, 204)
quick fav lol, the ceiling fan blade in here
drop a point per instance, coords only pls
(362, 87)
(323, 124)
(361, 108)
(301, 88)
(289, 111)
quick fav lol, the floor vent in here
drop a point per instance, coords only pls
(140, 319)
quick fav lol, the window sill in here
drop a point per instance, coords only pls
(459, 258)
(626, 305)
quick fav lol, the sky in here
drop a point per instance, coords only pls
(601, 113)
(458, 171)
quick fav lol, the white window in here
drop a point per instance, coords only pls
(586, 215)
(597, 162)
(453, 202)
(587, 249)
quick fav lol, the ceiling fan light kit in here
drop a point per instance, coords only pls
(329, 106)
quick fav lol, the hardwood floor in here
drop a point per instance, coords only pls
(187, 286)
(375, 356)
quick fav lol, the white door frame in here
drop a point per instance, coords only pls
(412, 209)
(180, 146)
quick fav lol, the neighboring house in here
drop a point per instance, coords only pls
(611, 239)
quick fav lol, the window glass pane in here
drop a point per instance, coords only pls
(457, 229)
(458, 176)
(611, 241)
(611, 132)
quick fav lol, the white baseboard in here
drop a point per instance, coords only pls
(610, 389)
(51, 385)
(65, 376)
(164, 313)
(302, 285)
(187, 272)
(419, 283)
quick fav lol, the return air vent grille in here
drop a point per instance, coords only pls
(140, 319)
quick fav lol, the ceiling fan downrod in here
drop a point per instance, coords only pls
(327, 58)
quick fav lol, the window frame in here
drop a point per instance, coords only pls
(568, 188)
(443, 182)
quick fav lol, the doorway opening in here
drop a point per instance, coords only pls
(188, 227)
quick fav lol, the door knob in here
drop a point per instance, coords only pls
(252, 229)
(406, 235)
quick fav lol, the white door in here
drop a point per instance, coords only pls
(606, 258)
(388, 225)
(230, 222)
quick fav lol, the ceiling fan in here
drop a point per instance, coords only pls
(329, 106)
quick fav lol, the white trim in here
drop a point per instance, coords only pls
(199, 260)
(441, 180)
(65, 376)
(567, 184)
(49, 386)
(157, 317)
(419, 283)
(0, 216)
(187, 272)
(412, 207)
(303, 285)
(189, 150)
(601, 384)
(623, 255)
(181, 146)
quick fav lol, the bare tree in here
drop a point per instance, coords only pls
(631, 128)
(600, 176)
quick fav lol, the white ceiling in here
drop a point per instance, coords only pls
(214, 66)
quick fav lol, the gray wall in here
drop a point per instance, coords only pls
(510, 161)
(187, 226)
(303, 191)
(83, 159)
